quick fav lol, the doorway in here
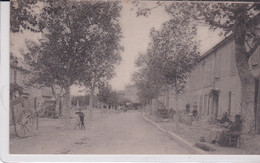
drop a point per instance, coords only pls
(215, 100)
(215, 105)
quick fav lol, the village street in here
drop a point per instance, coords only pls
(142, 78)
(108, 133)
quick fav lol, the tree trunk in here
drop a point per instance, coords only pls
(57, 105)
(91, 97)
(60, 108)
(66, 110)
(247, 83)
(91, 116)
(177, 102)
(57, 99)
(177, 111)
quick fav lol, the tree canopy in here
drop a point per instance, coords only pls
(108, 96)
(23, 15)
(169, 58)
(79, 38)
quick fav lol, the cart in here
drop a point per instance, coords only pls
(24, 117)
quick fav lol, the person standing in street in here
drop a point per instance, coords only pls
(81, 117)
(195, 111)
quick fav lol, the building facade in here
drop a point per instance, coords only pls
(131, 93)
(20, 76)
(214, 86)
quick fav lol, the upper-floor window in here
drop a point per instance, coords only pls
(15, 76)
(217, 66)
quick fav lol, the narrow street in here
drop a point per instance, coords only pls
(108, 133)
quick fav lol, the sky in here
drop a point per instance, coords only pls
(135, 41)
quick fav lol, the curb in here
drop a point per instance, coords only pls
(176, 137)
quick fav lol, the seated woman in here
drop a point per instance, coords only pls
(234, 130)
(224, 121)
(236, 126)
(224, 118)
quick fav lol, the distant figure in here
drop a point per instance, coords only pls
(125, 108)
(195, 111)
(81, 116)
(171, 113)
(187, 111)
(195, 114)
(195, 106)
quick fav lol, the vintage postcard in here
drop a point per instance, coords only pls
(158, 78)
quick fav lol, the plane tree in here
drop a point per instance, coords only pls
(106, 53)
(170, 57)
(71, 34)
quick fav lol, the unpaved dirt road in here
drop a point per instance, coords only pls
(108, 133)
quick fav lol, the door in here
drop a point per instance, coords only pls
(215, 105)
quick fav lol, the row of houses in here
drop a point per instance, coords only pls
(214, 86)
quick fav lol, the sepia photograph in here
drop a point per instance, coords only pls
(130, 77)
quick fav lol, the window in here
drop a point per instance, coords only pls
(217, 66)
(15, 76)
(209, 100)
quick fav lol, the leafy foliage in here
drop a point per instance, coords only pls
(169, 59)
(23, 15)
(106, 50)
(79, 38)
(240, 19)
(235, 18)
(108, 96)
(78, 35)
